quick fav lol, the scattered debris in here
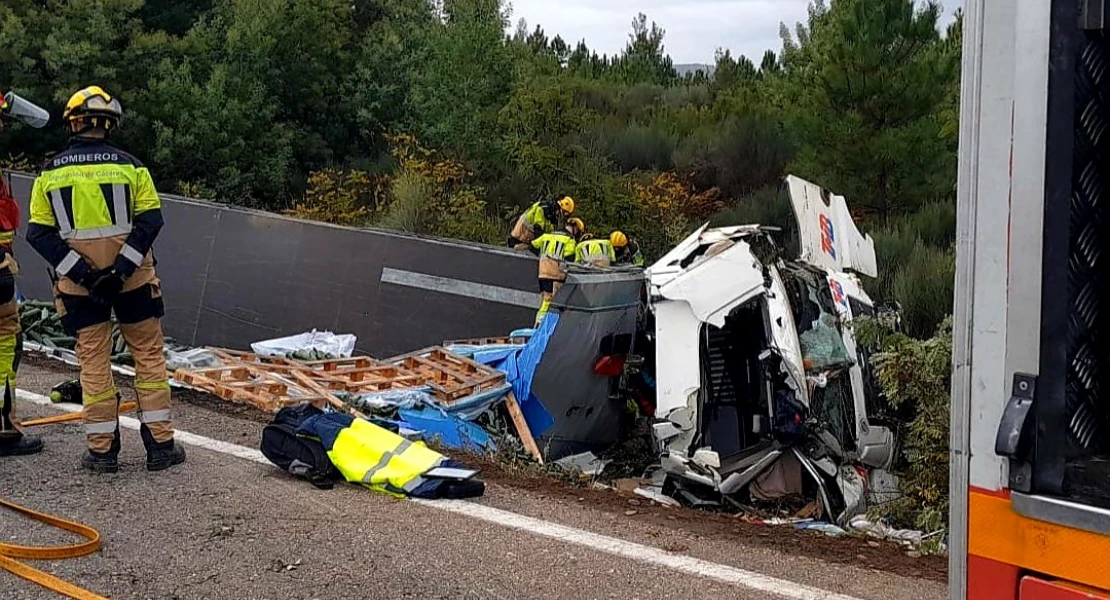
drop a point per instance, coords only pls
(43, 332)
(326, 343)
(729, 369)
(587, 464)
(655, 495)
(880, 530)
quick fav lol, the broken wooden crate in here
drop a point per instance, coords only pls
(448, 376)
(251, 384)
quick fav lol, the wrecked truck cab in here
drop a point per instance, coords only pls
(726, 358)
(758, 376)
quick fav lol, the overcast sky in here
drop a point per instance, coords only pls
(695, 28)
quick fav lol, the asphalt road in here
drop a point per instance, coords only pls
(229, 528)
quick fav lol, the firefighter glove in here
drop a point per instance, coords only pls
(124, 267)
(108, 285)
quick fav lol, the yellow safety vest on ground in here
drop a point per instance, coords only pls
(380, 459)
(554, 249)
(598, 253)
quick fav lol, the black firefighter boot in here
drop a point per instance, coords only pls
(19, 445)
(12, 441)
(163, 455)
(103, 462)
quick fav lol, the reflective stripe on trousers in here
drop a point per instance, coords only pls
(152, 387)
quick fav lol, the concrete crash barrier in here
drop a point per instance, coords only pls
(232, 276)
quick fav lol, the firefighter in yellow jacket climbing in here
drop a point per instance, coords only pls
(554, 250)
(95, 214)
(540, 218)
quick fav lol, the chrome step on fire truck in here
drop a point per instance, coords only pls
(1030, 455)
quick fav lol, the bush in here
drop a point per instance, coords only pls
(336, 196)
(679, 97)
(411, 195)
(916, 375)
(768, 206)
(641, 148)
(934, 224)
(738, 157)
(639, 98)
(893, 248)
(924, 286)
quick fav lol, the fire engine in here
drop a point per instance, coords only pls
(1030, 516)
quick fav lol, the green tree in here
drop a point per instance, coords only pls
(586, 64)
(644, 59)
(863, 83)
(175, 17)
(730, 72)
(394, 39)
(464, 79)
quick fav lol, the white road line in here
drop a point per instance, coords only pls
(595, 541)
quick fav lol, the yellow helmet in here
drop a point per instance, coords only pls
(567, 204)
(95, 107)
(618, 239)
(576, 226)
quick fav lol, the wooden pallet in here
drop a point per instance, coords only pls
(249, 384)
(362, 374)
(449, 377)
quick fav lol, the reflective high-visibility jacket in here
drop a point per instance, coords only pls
(95, 206)
(534, 219)
(598, 253)
(373, 456)
(554, 249)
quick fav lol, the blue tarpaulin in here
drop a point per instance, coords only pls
(519, 365)
(449, 430)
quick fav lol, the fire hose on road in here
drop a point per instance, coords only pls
(11, 555)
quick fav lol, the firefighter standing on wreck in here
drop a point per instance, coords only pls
(95, 214)
(12, 441)
(555, 249)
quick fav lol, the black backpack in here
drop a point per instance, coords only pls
(302, 456)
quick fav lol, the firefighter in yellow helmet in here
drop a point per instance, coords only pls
(626, 249)
(95, 214)
(594, 252)
(554, 250)
(540, 218)
(12, 441)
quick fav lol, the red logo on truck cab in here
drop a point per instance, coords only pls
(838, 293)
(828, 236)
